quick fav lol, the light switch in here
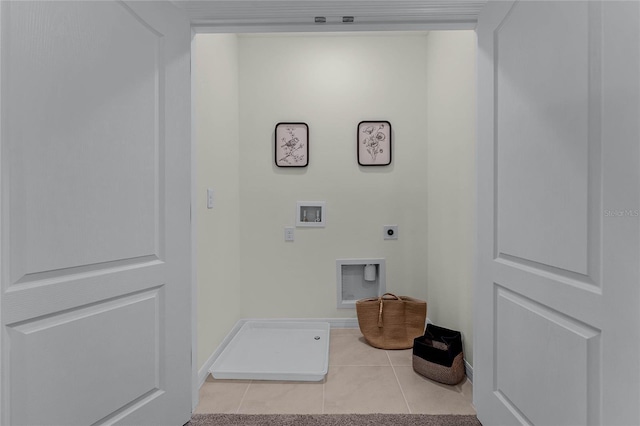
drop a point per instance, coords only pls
(288, 233)
(209, 198)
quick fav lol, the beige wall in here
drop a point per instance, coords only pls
(332, 82)
(451, 177)
(217, 165)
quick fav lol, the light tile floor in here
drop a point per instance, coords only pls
(361, 379)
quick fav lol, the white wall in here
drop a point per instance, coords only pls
(331, 83)
(451, 135)
(217, 163)
(423, 84)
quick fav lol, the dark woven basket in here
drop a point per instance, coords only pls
(438, 355)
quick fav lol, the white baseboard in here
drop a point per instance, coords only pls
(341, 322)
(203, 372)
(469, 371)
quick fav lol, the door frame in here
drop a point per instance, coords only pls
(199, 27)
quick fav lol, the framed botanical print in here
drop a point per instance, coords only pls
(292, 145)
(374, 143)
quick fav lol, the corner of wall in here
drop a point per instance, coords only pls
(451, 111)
(218, 249)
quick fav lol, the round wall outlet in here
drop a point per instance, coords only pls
(390, 232)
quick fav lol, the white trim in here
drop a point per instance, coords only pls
(203, 372)
(4, 216)
(333, 322)
(342, 322)
(469, 370)
(195, 382)
(210, 28)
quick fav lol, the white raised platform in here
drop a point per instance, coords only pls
(276, 350)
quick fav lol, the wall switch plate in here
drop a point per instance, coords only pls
(209, 198)
(390, 232)
(289, 233)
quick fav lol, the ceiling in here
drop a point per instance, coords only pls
(299, 15)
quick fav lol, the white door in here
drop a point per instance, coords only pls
(557, 295)
(95, 234)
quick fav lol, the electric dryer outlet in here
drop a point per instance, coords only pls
(390, 232)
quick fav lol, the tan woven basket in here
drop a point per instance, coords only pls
(390, 321)
(441, 373)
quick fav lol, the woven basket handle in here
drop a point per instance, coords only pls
(389, 294)
(380, 310)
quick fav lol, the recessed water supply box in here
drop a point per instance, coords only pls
(359, 279)
(311, 214)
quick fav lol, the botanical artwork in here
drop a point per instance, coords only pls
(292, 145)
(374, 143)
(372, 138)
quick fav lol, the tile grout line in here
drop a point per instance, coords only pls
(243, 395)
(398, 380)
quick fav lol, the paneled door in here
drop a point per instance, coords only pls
(95, 214)
(557, 294)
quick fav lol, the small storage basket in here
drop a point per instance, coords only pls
(438, 355)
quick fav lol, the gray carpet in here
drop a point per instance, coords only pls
(332, 420)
